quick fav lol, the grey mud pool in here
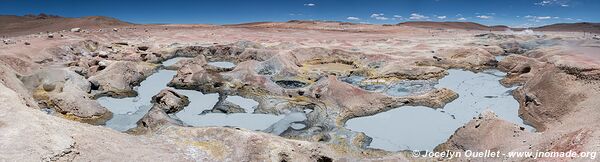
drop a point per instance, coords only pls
(127, 111)
(402, 128)
(423, 128)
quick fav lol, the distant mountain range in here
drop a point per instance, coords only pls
(11, 25)
(572, 27)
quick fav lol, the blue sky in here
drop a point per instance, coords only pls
(516, 13)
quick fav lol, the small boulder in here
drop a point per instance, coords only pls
(119, 78)
(166, 102)
(103, 63)
(8, 41)
(76, 30)
(103, 54)
(225, 107)
(170, 101)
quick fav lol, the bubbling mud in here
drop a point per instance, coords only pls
(127, 111)
(395, 88)
(423, 128)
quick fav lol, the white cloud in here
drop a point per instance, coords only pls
(561, 3)
(309, 4)
(538, 18)
(381, 18)
(416, 16)
(484, 16)
(543, 3)
(353, 18)
(397, 17)
(543, 17)
(461, 19)
(376, 15)
(441, 17)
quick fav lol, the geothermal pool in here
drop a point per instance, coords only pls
(403, 128)
(423, 128)
(127, 111)
(222, 64)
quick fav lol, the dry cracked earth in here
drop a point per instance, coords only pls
(51, 84)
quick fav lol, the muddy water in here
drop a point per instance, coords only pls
(423, 128)
(499, 58)
(248, 104)
(191, 115)
(222, 64)
(172, 61)
(127, 111)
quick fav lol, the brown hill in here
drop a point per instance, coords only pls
(445, 25)
(11, 25)
(574, 27)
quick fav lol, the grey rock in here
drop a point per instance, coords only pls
(119, 78)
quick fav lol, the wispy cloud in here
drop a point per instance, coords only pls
(353, 18)
(416, 16)
(569, 19)
(461, 19)
(379, 16)
(484, 16)
(543, 3)
(309, 4)
(561, 3)
(376, 15)
(397, 17)
(544, 17)
(441, 17)
(538, 18)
